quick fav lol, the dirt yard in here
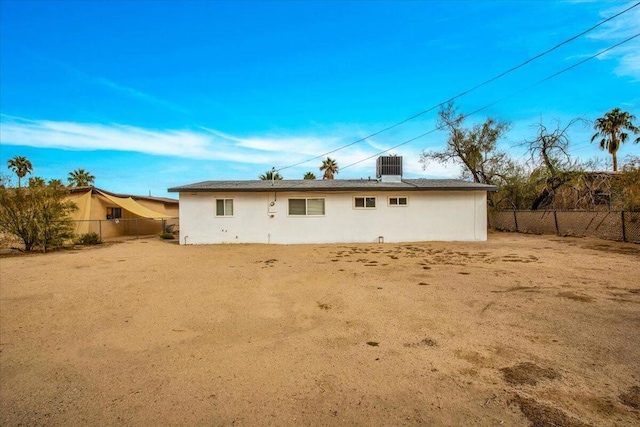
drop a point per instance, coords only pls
(520, 330)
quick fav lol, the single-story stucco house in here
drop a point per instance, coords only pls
(387, 209)
(112, 215)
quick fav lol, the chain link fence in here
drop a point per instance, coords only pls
(106, 229)
(112, 228)
(621, 225)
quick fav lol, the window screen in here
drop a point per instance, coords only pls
(397, 201)
(306, 207)
(365, 202)
(297, 206)
(315, 206)
(224, 207)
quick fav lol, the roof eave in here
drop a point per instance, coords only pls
(325, 190)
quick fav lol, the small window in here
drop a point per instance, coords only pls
(224, 207)
(113, 213)
(398, 201)
(306, 207)
(364, 202)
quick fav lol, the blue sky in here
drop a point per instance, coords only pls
(153, 94)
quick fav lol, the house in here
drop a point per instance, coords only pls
(112, 215)
(387, 209)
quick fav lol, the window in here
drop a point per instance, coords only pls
(224, 207)
(398, 201)
(364, 202)
(113, 213)
(306, 207)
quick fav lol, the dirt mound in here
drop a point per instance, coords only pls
(541, 415)
(527, 373)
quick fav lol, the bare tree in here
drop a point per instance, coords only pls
(552, 164)
(475, 148)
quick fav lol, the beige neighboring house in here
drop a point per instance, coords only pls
(111, 215)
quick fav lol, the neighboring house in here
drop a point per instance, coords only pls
(389, 209)
(112, 215)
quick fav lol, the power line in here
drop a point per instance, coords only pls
(464, 116)
(501, 99)
(466, 92)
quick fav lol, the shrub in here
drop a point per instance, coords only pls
(167, 236)
(38, 214)
(89, 239)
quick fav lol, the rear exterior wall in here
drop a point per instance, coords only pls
(265, 218)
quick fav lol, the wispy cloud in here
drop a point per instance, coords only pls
(92, 136)
(138, 94)
(307, 145)
(206, 144)
(616, 30)
(125, 90)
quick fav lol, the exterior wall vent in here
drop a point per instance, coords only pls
(389, 168)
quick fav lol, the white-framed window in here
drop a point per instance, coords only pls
(364, 202)
(398, 201)
(224, 207)
(306, 207)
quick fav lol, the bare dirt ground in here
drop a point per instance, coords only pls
(520, 330)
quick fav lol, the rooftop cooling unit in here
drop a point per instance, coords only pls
(389, 168)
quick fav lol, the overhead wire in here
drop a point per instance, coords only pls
(464, 116)
(461, 94)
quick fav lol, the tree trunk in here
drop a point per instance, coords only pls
(547, 192)
(613, 149)
(541, 198)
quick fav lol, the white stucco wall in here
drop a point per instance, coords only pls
(429, 216)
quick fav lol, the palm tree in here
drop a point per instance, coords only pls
(80, 178)
(57, 183)
(610, 130)
(21, 166)
(271, 175)
(330, 168)
(36, 181)
(309, 175)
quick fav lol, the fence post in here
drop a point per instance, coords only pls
(624, 231)
(515, 219)
(137, 236)
(555, 219)
(100, 228)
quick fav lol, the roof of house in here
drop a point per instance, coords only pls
(134, 197)
(332, 185)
